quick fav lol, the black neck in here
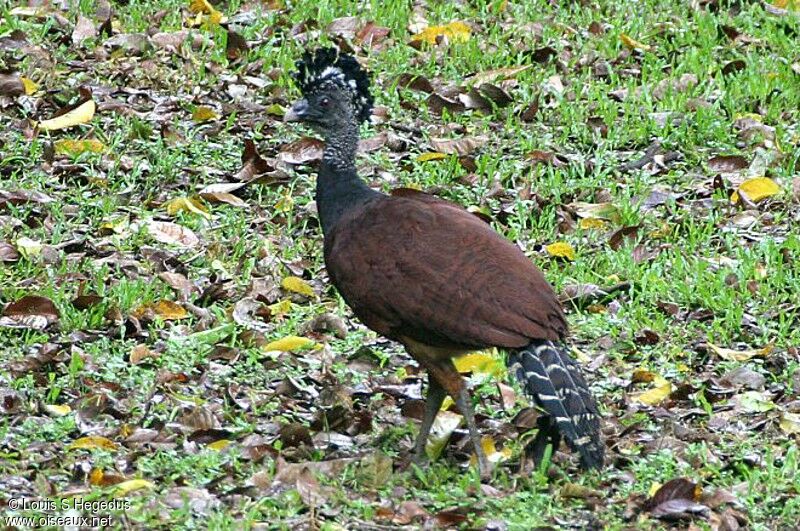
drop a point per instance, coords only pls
(338, 185)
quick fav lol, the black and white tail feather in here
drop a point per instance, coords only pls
(553, 379)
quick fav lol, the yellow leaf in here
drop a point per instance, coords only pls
(201, 6)
(204, 113)
(433, 155)
(790, 423)
(165, 309)
(297, 285)
(219, 445)
(93, 442)
(215, 17)
(642, 376)
(57, 410)
(454, 31)
(445, 423)
(29, 84)
(187, 204)
(561, 250)
(491, 452)
(290, 344)
(657, 394)
(653, 489)
(29, 248)
(96, 477)
(81, 114)
(484, 362)
(131, 485)
(756, 189)
(633, 44)
(739, 355)
(592, 223)
(285, 203)
(280, 308)
(115, 226)
(169, 310)
(76, 147)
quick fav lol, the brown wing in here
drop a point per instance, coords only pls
(412, 265)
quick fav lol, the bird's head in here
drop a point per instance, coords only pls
(335, 91)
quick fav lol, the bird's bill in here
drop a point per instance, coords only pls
(296, 112)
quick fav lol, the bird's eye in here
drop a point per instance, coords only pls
(325, 102)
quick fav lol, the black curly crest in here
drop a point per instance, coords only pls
(324, 66)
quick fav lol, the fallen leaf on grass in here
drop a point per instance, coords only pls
(457, 146)
(31, 311)
(660, 391)
(223, 197)
(93, 442)
(131, 485)
(204, 113)
(602, 211)
(756, 189)
(57, 410)
(754, 402)
(592, 223)
(675, 500)
(454, 31)
(727, 163)
(84, 29)
(30, 85)
(739, 355)
(444, 425)
(634, 44)
(790, 423)
(99, 478)
(187, 204)
(165, 309)
(81, 114)
(485, 362)
(11, 85)
(561, 250)
(139, 353)
(306, 150)
(29, 248)
(297, 285)
(204, 8)
(76, 147)
(8, 253)
(290, 344)
(492, 453)
(429, 156)
(172, 233)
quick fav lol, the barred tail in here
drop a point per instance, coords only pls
(550, 375)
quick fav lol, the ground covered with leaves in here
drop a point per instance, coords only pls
(168, 338)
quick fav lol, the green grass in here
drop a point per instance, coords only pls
(747, 302)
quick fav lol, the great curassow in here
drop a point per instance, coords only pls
(428, 274)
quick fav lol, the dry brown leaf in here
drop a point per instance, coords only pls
(306, 150)
(458, 146)
(172, 233)
(31, 311)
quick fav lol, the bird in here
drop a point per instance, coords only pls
(427, 273)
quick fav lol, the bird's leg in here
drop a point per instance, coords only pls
(433, 402)
(548, 435)
(463, 403)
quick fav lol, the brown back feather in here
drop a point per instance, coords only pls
(412, 265)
